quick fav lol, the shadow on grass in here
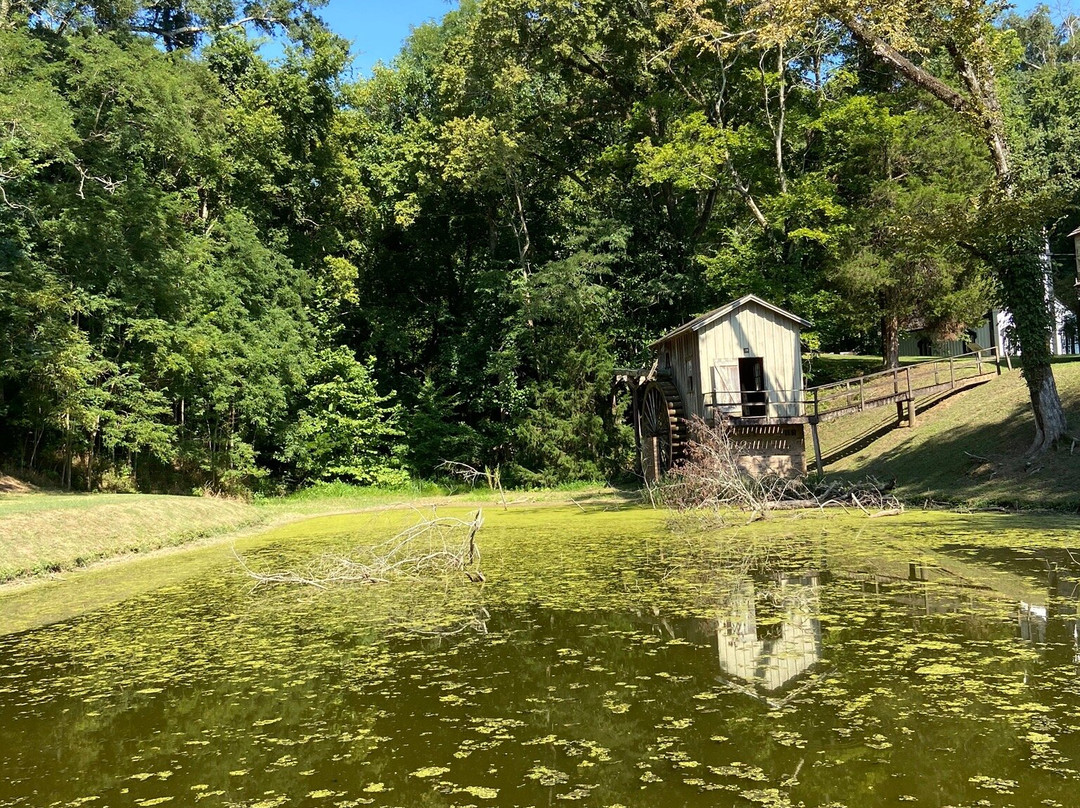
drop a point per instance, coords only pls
(875, 433)
(970, 464)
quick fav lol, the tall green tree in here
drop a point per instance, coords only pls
(953, 52)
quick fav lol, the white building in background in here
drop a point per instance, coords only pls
(991, 332)
(1075, 236)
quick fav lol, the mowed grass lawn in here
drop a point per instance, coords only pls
(53, 532)
(967, 449)
(43, 533)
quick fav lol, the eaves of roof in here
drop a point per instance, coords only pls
(708, 317)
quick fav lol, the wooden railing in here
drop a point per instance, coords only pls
(828, 401)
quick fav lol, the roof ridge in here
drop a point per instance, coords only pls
(702, 320)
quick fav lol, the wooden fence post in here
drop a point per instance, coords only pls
(896, 393)
(910, 402)
(817, 448)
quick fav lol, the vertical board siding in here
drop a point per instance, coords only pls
(683, 350)
(754, 331)
(909, 343)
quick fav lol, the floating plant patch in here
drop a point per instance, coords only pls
(604, 661)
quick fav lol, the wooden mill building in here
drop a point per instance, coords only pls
(740, 363)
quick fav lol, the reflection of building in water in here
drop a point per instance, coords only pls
(771, 633)
(1055, 622)
(1045, 608)
(1032, 621)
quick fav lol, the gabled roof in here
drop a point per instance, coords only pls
(708, 317)
(1075, 232)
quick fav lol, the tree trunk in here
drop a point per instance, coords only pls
(1050, 425)
(524, 241)
(781, 115)
(1023, 283)
(890, 341)
(1018, 258)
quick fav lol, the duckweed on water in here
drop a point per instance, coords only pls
(930, 659)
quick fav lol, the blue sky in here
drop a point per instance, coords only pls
(377, 28)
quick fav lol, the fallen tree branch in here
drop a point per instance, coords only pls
(710, 480)
(433, 546)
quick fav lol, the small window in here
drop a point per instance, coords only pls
(690, 377)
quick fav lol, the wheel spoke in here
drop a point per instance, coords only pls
(658, 429)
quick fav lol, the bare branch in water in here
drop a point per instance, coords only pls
(710, 482)
(434, 546)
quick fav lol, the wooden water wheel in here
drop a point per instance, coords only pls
(661, 424)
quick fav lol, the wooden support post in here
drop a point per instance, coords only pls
(817, 448)
(978, 361)
(862, 396)
(912, 415)
(952, 372)
(899, 411)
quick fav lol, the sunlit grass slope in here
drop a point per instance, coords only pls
(44, 533)
(48, 533)
(968, 448)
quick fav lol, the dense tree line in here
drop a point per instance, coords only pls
(223, 271)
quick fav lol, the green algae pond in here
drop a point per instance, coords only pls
(608, 660)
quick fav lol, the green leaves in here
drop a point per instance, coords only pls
(477, 155)
(694, 158)
(345, 430)
(36, 127)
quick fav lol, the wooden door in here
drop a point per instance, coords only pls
(726, 395)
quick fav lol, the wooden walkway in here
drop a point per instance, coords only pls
(900, 387)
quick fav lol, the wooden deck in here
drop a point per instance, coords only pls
(900, 387)
(828, 402)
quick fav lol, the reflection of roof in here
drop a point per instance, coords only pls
(708, 317)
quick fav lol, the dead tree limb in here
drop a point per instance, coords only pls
(435, 546)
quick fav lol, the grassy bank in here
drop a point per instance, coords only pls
(43, 533)
(967, 449)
